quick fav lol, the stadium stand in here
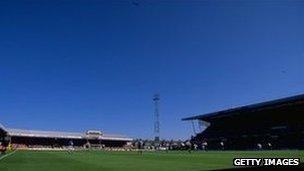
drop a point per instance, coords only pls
(32, 139)
(277, 124)
(2, 133)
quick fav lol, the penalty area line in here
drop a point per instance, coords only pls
(6, 155)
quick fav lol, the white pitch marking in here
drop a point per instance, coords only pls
(6, 155)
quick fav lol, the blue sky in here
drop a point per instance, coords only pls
(77, 65)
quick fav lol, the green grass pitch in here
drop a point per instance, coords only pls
(129, 161)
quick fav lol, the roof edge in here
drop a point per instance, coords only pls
(250, 106)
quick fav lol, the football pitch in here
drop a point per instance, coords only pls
(130, 161)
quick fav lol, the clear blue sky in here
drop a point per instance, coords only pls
(80, 65)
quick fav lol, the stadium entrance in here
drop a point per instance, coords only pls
(277, 124)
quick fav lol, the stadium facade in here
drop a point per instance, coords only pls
(27, 139)
(277, 124)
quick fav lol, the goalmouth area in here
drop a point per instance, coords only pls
(132, 161)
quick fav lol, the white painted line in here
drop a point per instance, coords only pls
(6, 155)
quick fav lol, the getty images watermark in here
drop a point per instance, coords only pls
(266, 161)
